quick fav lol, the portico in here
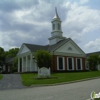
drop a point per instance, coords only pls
(26, 62)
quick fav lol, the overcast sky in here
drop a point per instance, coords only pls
(29, 21)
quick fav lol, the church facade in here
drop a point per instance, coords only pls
(67, 55)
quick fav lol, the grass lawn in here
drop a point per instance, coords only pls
(1, 77)
(29, 79)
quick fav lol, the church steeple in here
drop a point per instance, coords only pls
(56, 25)
(56, 34)
(56, 14)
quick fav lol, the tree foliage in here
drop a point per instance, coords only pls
(2, 56)
(43, 59)
(93, 60)
(12, 52)
(15, 65)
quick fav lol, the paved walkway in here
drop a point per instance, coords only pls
(11, 81)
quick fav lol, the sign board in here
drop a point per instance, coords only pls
(43, 72)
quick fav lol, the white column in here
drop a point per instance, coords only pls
(22, 64)
(31, 63)
(18, 64)
(26, 62)
(35, 66)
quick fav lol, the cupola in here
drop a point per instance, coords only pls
(56, 34)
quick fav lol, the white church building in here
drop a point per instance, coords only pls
(67, 55)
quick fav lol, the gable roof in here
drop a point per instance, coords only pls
(57, 45)
(50, 48)
(34, 47)
(77, 45)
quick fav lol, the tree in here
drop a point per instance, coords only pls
(43, 59)
(1, 65)
(12, 52)
(15, 65)
(93, 60)
(2, 56)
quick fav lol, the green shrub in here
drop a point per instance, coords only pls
(43, 59)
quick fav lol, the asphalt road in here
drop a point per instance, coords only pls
(73, 91)
(11, 81)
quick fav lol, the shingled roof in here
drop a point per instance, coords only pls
(9, 60)
(88, 54)
(34, 47)
(57, 45)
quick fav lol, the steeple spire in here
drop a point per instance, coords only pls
(56, 14)
(56, 34)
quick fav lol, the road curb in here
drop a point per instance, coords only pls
(40, 85)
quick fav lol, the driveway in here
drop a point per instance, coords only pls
(11, 81)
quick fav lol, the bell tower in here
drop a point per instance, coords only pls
(56, 34)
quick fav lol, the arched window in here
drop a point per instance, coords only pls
(58, 26)
(70, 49)
(53, 26)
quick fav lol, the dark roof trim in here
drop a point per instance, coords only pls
(61, 44)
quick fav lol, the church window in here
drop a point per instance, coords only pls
(53, 26)
(60, 63)
(87, 65)
(58, 26)
(79, 63)
(70, 62)
(70, 49)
